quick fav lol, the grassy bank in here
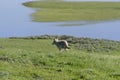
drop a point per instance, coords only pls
(49, 11)
(37, 59)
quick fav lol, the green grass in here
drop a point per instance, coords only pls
(38, 59)
(52, 11)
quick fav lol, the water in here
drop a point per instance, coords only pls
(15, 21)
(96, 0)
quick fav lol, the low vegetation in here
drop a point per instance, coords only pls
(51, 11)
(84, 44)
(35, 58)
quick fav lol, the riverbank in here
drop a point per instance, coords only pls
(52, 11)
(36, 58)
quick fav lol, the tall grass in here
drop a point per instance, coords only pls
(48, 11)
(38, 59)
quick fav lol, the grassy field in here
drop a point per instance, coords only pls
(51, 11)
(38, 59)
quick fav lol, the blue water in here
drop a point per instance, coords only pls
(15, 21)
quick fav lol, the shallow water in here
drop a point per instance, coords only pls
(15, 21)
